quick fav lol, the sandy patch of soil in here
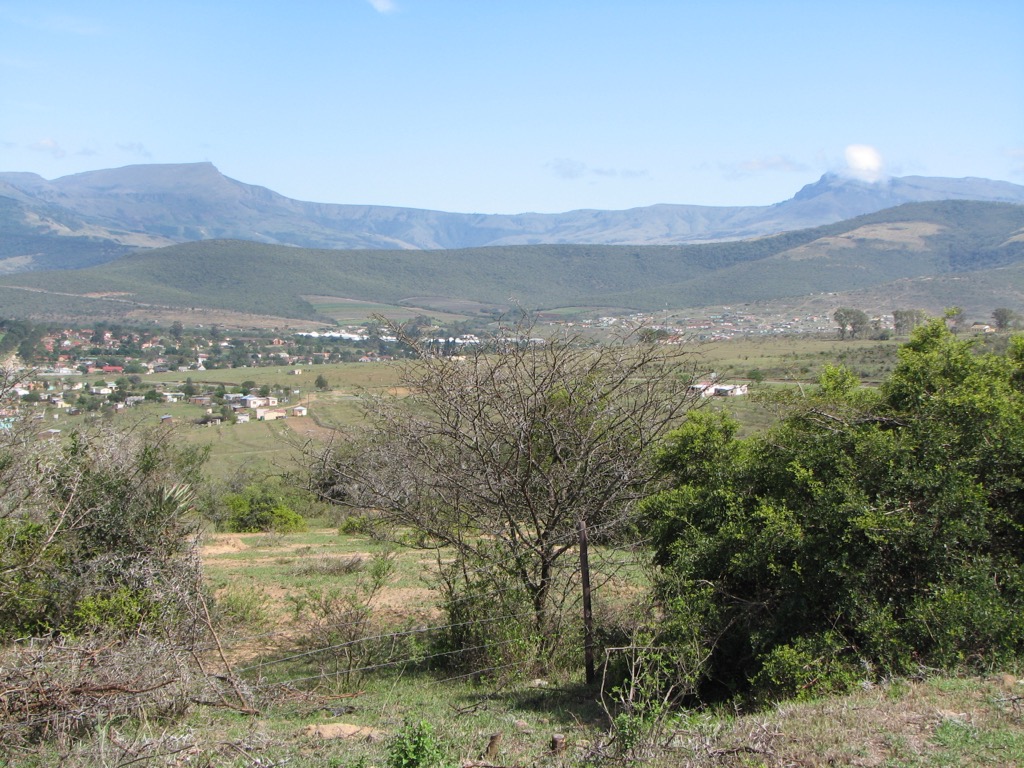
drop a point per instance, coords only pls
(223, 544)
(342, 731)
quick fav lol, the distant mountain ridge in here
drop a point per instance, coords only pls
(92, 217)
(942, 253)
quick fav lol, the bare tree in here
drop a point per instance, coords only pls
(496, 456)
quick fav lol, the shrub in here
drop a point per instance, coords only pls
(870, 532)
(258, 511)
(98, 532)
(415, 746)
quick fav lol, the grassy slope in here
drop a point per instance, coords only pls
(939, 722)
(242, 276)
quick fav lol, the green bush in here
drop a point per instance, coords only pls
(807, 668)
(870, 532)
(122, 610)
(98, 532)
(415, 746)
(257, 511)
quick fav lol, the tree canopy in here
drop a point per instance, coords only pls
(869, 533)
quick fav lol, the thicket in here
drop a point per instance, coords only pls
(258, 509)
(96, 532)
(102, 605)
(870, 533)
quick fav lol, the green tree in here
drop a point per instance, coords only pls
(1004, 318)
(868, 533)
(906, 320)
(321, 382)
(260, 508)
(955, 318)
(854, 322)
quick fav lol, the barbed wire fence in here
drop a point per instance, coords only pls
(396, 642)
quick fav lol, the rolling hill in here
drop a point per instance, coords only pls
(925, 242)
(90, 218)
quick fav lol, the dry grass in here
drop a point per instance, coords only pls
(941, 722)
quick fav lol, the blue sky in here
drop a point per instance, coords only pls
(507, 106)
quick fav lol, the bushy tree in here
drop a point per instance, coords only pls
(854, 322)
(1004, 318)
(258, 508)
(96, 532)
(906, 320)
(869, 533)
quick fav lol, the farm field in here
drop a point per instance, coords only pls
(270, 447)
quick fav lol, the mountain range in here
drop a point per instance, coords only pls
(95, 217)
(918, 255)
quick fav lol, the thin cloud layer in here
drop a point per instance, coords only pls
(567, 168)
(383, 6)
(772, 164)
(135, 148)
(50, 147)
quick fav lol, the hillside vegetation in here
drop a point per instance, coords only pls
(868, 253)
(859, 560)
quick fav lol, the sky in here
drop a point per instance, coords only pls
(510, 106)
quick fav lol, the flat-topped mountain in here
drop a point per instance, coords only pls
(93, 217)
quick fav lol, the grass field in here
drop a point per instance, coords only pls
(309, 637)
(798, 359)
(354, 311)
(314, 710)
(270, 446)
(274, 446)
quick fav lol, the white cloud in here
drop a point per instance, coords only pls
(565, 168)
(620, 173)
(135, 148)
(50, 146)
(773, 164)
(383, 6)
(864, 162)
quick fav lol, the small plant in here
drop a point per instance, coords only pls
(329, 566)
(243, 607)
(807, 668)
(354, 524)
(124, 610)
(337, 621)
(415, 746)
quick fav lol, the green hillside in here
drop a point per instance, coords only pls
(911, 241)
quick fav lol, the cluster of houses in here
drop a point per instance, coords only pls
(55, 397)
(244, 407)
(714, 389)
